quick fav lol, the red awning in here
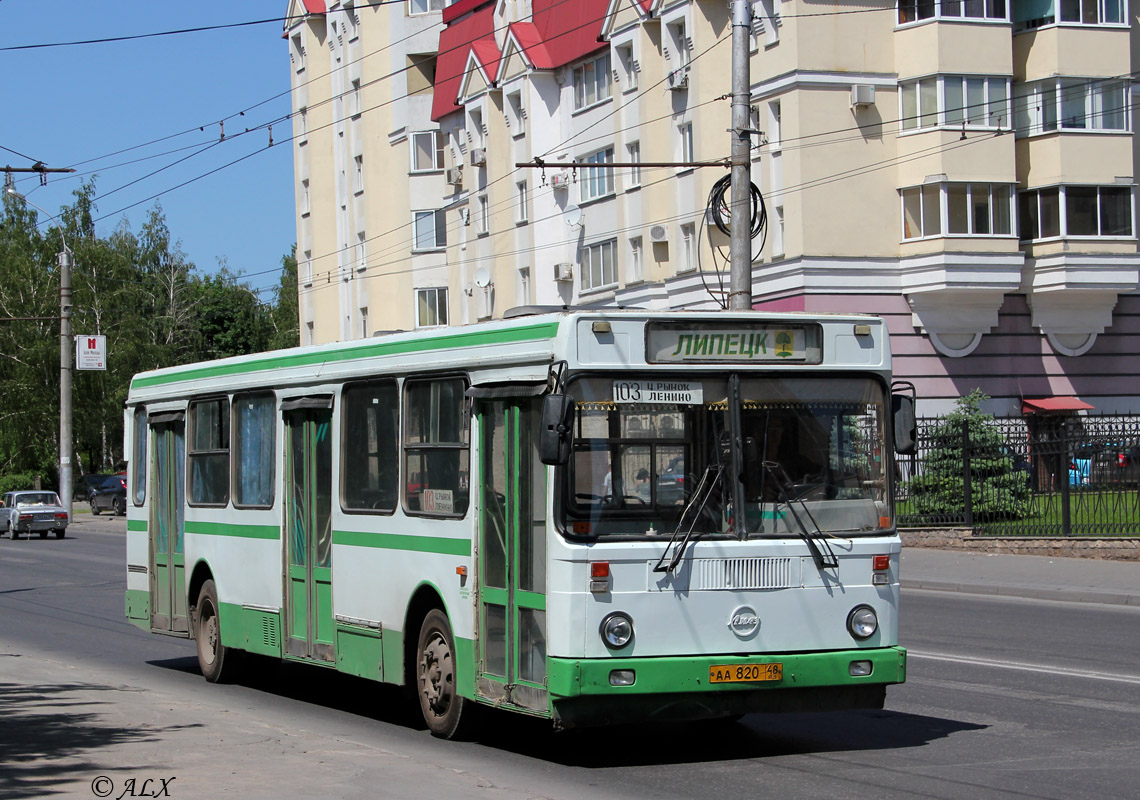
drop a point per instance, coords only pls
(1046, 405)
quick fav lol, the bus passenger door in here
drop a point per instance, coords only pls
(511, 647)
(308, 530)
(168, 604)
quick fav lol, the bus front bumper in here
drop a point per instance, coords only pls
(614, 690)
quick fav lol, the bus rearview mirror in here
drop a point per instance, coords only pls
(905, 424)
(557, 432)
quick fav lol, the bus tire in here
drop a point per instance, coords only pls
(443, 709)
(214, 659)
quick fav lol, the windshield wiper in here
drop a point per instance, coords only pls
(821, 552)
(709, 481)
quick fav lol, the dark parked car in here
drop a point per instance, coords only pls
(84, 483)
(110, 494)
(1116, 464)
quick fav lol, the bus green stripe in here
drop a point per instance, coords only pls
(512, 335)
(399, 541)
(136, 525)
(230, 529)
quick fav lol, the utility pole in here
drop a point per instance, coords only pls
(740, 207)
(65, 342)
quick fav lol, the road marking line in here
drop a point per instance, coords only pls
(987, 662)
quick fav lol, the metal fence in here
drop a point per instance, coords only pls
(1043, 476)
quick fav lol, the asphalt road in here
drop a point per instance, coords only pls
(1005, 698)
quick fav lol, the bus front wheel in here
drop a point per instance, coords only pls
(442, 707)
(212, 654)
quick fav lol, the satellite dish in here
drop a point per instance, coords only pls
(482, 278)
(572, 216)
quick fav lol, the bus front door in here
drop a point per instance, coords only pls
(168, 606)
(511, 641)
(308, 539)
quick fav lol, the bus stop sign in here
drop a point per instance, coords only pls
(91, 352)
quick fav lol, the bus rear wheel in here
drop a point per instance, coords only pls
(443, 709)
(214, 658)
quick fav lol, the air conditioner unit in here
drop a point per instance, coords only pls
(564, 272)
(658, 233)
(679, 79)
(478, 156)
(455, 176)
(560, 180)
(862, 94)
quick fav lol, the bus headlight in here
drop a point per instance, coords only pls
(616, 629)
(862, 622)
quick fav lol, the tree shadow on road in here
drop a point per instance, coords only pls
(51, 731)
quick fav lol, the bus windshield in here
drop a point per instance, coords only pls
(651, 454)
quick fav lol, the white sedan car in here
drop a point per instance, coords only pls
(33, 511)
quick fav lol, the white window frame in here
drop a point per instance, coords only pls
(521, 214)
(1063, 212)
(437, 147)
(633, 155)
(364, 322)
(917, 12)
(420, 236)
(593, 255)
(688, 248)
(686, 147)
(354, 98)
(625, 57)
(516, 111)
(592, 82)
(418, 8)
(595, 183)
(352, 23)
(1039, 107)
(997, 109)
(358, 174)
(939, 194)
(436, 304)
(305, 208)
(361, 251)
(1058, 16)
(307, 268)
(297, 53)
(483, 223)
(636, 267)
(302, 125)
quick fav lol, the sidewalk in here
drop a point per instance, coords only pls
(1083, 580)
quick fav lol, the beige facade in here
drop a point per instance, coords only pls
(947, 153)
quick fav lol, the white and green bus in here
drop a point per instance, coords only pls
(592, 516)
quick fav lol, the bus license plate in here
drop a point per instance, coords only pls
(745, 673)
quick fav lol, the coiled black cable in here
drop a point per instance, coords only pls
(722, 213)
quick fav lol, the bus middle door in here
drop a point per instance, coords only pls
(511, 641)
(167, 525)
(308, 528)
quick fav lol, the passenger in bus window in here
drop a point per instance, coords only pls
(641, 487)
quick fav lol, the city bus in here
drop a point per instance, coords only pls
(589, 516)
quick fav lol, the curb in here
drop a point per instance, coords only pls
(1032, 592)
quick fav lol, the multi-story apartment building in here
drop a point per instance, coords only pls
(964, 168)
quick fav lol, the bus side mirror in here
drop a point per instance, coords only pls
(557, 432)
(905, 424)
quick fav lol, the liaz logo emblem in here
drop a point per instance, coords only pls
(744, 621)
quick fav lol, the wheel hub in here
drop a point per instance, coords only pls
(436, 676)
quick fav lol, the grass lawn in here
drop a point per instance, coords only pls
(1092, 513)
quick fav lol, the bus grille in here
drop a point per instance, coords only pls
(744, 573)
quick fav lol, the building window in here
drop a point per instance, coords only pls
(302, 125)
(425, 6)
(685, 150)
(520, 202)
(305, 197)
(959, 209)
(597, 181)
(364, 332)
(688, 254)
(483, 224)
(357, 174)
(1076, 12)
(427, 150)
(627, 66)
(679, 47)
(516, 118)
(592, 82)
(436, 437)
(307, 268)
(430, 230)
(351, 21)
(919, 10)
(297, 53)
(431, 307)
(1070, 104)
(954, 101)
(524, 286)
(598, 265)
(371, 438)
(255, 426)
(633, 155)
(778, 234)
(310, 334)
(635, 268)
(361, 255)
(354, 99)
(209, 452)
(1076, 211)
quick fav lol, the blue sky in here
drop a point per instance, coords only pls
(78, 105)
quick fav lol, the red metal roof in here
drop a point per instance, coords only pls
(454, 44)
(315, 6)
(1046, 404)
(569, 30)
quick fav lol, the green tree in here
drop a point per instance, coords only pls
(285, 315)
(998, 490)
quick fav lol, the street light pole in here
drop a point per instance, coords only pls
(740, 243)
(65, 432)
